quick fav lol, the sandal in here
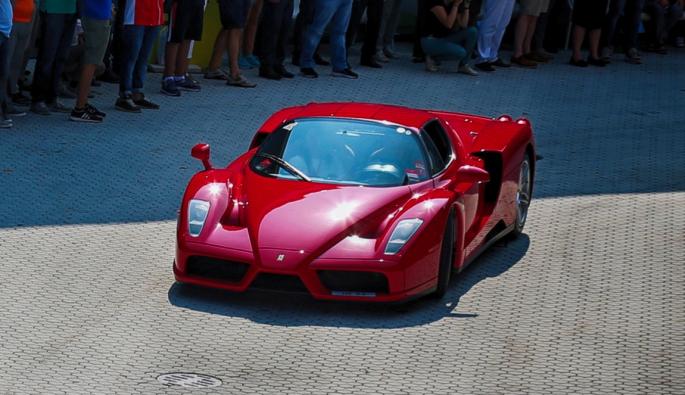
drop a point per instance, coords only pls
(240, 81)
(216, 75)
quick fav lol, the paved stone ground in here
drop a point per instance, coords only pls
(591, 300)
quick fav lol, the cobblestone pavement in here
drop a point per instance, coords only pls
(591, 300)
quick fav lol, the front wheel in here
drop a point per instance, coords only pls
(523, 195)
(446, 258)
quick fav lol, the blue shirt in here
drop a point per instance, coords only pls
(97, 9)
(5, 17)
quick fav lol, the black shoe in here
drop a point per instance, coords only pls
(418, 59)
(370, 63)
(169, 87)
(94, 111)
(347, 73)
(21, 100)
(321, 61)
(308, 72)
(83, 115)
(95, 83)
(596, 62)
(500, 63)
(142, 102)
(126, 104)
(577, 63)
(188, 84)
(485, 66)
(269, 73)
(284, 72)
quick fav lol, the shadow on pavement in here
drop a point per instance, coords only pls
(302, 310)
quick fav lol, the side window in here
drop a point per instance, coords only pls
(438, 145)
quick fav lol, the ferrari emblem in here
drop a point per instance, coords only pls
(280, 257)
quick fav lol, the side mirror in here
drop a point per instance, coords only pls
(472, 174)
(201, 152)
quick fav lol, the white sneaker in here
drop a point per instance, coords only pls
(431, 66)
(468, 70)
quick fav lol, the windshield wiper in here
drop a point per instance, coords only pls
(287, 166)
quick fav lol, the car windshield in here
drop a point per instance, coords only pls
(343, 151)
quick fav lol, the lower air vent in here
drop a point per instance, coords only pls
(216, 269)
(354, 282)
(278, 282)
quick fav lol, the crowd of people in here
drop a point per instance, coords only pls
(81, 43)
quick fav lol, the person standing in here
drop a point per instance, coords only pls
(57, 22)
(274, 29)
(22, 26)
(496, 17)
(386, 37)
(664, 15)
(233, 14)
(304, 18)
(588, 18)
(336, 13)
(95, 20)
(142, 19)
(5, 31)
(374, 15)
(186, 18)
(525, 29)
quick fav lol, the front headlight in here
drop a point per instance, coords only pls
(197, 214)
(404, 230)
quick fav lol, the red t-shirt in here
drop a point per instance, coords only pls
(23, 11)
(144, 12)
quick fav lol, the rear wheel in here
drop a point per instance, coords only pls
(523, 195)
(446, 258)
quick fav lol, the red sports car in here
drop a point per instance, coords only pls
(355, 201)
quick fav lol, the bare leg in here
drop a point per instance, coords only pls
(578, 37)
(251, 27)
(220, 45)
(182, 60)
(170, 56)
(520, 35)
(595, 35)
(233, 46)
(84, 85)
(532, 22)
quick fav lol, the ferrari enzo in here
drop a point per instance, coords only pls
(355, 201)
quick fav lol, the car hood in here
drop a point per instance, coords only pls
(309, 218)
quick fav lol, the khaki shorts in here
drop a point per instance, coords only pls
(96, 34)
(534, 7)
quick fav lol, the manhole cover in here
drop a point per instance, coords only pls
(189, 380)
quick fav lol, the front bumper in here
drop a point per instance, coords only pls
(326, 279)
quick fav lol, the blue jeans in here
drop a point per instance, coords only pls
(4, 69)
(456, 46)
(137, 42)
(337, 13)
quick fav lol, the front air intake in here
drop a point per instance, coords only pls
(355, 282)
(216, 269)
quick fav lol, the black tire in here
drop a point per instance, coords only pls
(523, 197)
(446, 258)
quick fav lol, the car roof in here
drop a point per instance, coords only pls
(399, 115)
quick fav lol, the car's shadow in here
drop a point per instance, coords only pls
(298, 309)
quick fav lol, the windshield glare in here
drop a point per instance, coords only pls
(343, 151)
